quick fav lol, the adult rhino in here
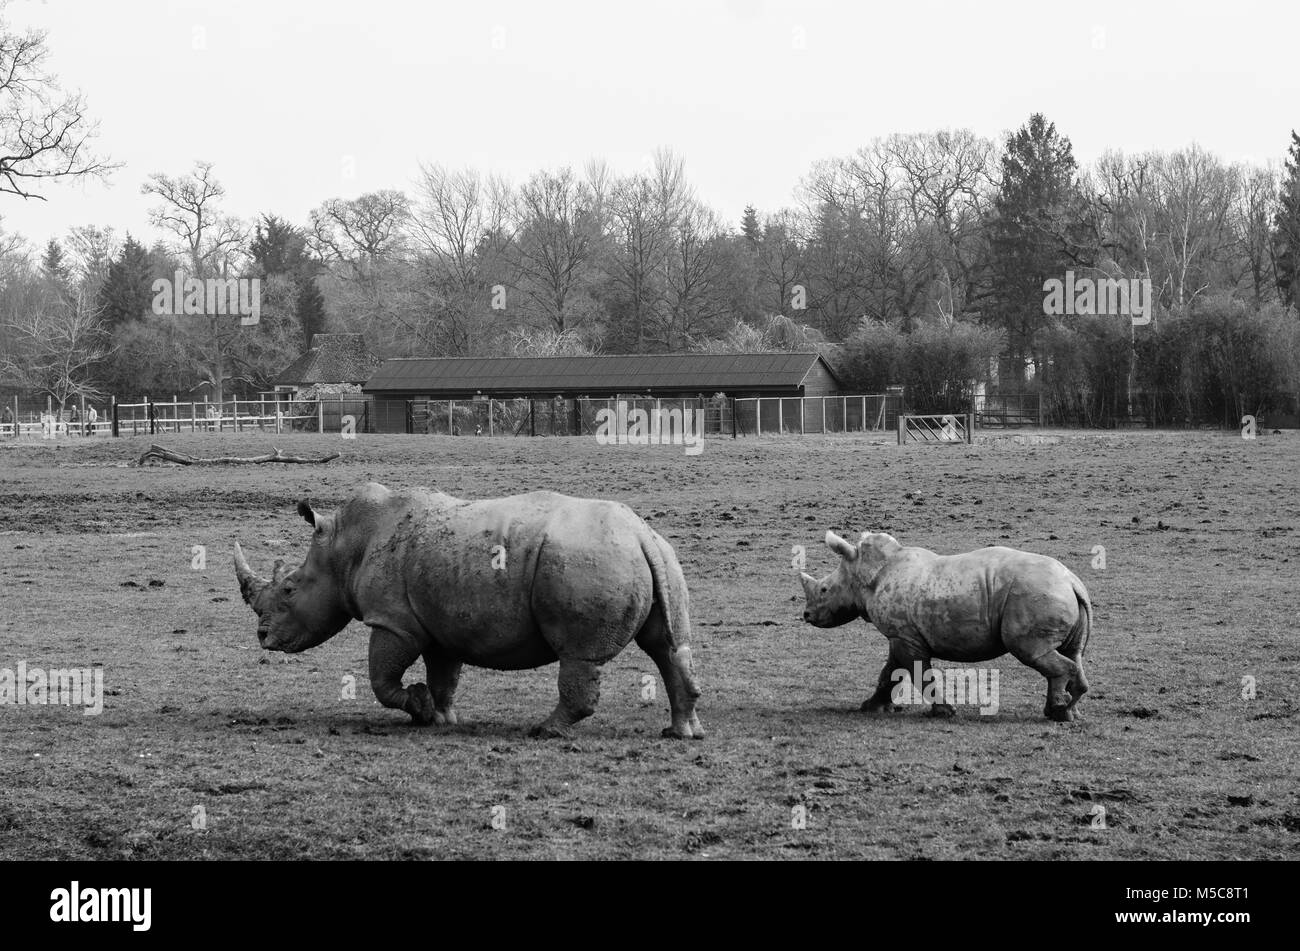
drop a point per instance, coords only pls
(969, 607)
(510, 584)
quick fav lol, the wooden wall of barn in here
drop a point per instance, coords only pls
(819, 381)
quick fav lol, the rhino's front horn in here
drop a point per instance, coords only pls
(250, 584)
(809, 582)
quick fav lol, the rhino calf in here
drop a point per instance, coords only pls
(969, 607)
(510, 584)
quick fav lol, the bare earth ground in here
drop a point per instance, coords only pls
(1199, 591)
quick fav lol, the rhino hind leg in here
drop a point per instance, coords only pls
(579, 693)
(1061, 673)
(678, 673)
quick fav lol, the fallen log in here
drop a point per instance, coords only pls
(164, 454)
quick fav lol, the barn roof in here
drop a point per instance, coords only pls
(626, 373)
(333, 358)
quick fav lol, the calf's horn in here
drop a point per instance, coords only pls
(250, 584)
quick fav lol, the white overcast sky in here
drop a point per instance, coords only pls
(286, 97)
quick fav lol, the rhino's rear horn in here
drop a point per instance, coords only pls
(250, 584)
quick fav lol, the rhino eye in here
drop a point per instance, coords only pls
(825, 588)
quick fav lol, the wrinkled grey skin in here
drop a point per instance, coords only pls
(577, 580)
(970, 607)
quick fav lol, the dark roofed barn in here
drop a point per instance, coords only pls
(668, 375)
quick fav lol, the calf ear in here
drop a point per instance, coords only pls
(842, 548)
(305, 510)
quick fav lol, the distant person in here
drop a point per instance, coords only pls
(8, 419)
(74, 420)
(91, 418)
(478, 430)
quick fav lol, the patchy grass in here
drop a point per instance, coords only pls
(1199, 590)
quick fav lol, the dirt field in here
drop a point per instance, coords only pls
(1199, 591)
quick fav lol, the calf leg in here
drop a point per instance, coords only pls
(1078, 683)
(938, 708)
(900, 658)
(443, 675)
(1060, 672)
(391, 653)
(579, 694)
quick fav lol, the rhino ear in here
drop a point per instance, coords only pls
(306, 511)
(844, 549)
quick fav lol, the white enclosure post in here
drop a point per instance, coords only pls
(758, 416)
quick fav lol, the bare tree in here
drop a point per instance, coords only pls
(362, 232)
(692, 275)
(554, 245)
(45, 134)
(54, 348)
(190, 210)
(645, 210)
(458, 228)
(212, 243)
(1250, 218)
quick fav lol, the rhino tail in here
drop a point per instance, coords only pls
(673, 602)
(1077, 641)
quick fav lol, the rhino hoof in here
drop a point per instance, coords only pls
(1061, 714)
(420, 704)
(444, 719)
(672, 733)
(546, 731)
(942, 710)
(874, 708)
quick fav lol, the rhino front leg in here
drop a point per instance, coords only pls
(391, 653)
(579, 694)
(443, 674)
(882, 701)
